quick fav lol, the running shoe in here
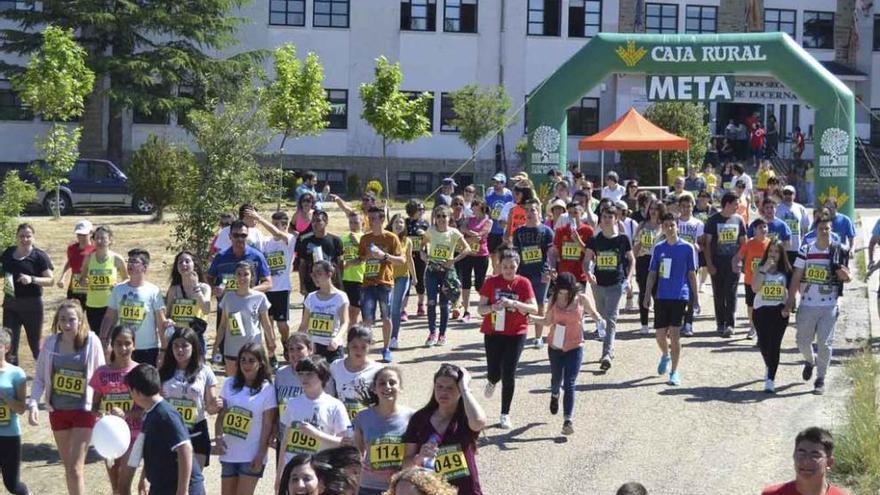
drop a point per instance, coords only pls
(819, 387)
(441, 340)
(600, 328)
(644, 330)
(663, 365)
(727, 332)
(769, 386)
(466, 317)
(752, 333)
(687, 330)
(554, 404)
(605, 363)
(674, 379)
(431, 340)
(421, 311)
(394, 346)
(404, 317)
(539, 343)
(456, 314)
(567, 427)
(504, 422)
(386, 355)
(807, 373)
(630, 304)
(489, 390)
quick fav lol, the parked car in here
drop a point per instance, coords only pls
(91, 184)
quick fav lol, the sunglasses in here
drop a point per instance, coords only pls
(441, 216)
(368, 200)
(788, 193)
(239, 236)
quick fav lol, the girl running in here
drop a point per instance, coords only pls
(441, 241)
(13, 384)
(76, 255)
(305, 475)
(770, 284)
(101, 271)
(302, 217)
(189, 297)
(350, 378)
(245, 312)
(416, 227)
(325, 313)
(476, 233)
(403, 276)
(647, 235)
(63, 373)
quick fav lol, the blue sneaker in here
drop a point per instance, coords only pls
(386, 355)
(663, 366)
(674, 379)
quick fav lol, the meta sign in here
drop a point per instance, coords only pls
(689, 88)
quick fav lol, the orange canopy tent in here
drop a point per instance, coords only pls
(632, 132)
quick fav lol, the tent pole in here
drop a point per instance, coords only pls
(661, 175)
(579, 159)
(602, 160)
(688, 158)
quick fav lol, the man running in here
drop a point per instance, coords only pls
(725, 231)
(496, 199)
(796, 217)
(690, 229)
(776, 228)
(533, 242)
(315, 246)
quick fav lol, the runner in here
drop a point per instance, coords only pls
(819, 272)
(63, 374)
(352, 273)
(76, 255)
(350, 378)
(770, 285)
(316, 246)
(287, 382)
(379, 250)
(254, 239)
(514, 214)
(244, 313)
(743, 202)
(505, 302)
(796, 217)
(476, 233)
(690, 229)
(725, 232)
(190, 387)
(441, 241)
(325, 313)
(279, 251)
(747, 260)
(379, 430)
(416, 227)
(533, 242)
(13, 389)
(646, 237)
(611, 256)
(112, 396)
(138, 302)
(673, 271)
(27, 269)
(243, 429)
(189, 297)
(841, 224)
(776, 228)
(302, 216)
(403, 275)
(813, 458)
(306, 475)
(417, 480)
(702, 211)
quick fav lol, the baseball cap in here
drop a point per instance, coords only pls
(83, 227)
(557, 203)
(449, 181)
(500, 177)
(789, 188)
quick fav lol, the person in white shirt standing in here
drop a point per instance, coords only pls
(796, 217)
(613, 189)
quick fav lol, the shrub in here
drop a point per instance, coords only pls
(155, 172)
(375, 186)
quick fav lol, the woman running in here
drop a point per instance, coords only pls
(770, 283)
(441, 242)
(350, 378)
(302, 217)
(476, 233)
(444, 433)
(101, 271)
(76, 255)
(305, 475)
(287, 383)
(27, 269)
(505, 302)
(13, 389)
(189, 297)
(244, 427)
(419, 481)
(63, 373)
(245, 312)
(325, 313)
(416, 226)
(112, 396)
(403, 276)
(647, 235)
(190, 386)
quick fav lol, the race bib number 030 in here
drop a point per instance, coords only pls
(816, 274)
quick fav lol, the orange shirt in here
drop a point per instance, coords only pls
(378, 272)
(516, 220)
(751, 252)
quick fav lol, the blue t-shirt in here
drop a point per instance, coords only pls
(496, 203)
(10, 379)
(876, 230)
(223, 265)
(775, 228)
(811, 237)
(844, 228)
(532, 243)
(166, 431)
(672, 262)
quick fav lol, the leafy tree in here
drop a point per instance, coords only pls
(296, 101)
(16, 195)
(478, 113)
(156, 171)
(230, 136)
(685, 119)
(140, 49)
(55, 85)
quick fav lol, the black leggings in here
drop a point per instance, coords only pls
(95, 317)
(502, 357)
(472, 265)
(10, 465)
(643, 263)
(24, 312)
(420, 273)
(770, 326)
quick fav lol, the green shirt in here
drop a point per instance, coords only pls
(350, 242)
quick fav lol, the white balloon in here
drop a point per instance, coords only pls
(111, 437)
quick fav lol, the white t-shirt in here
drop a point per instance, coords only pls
(798, 221)
(279, 257)
(691, 231)
(816, 289)
(615, 194)
(189, 398)
(287, 386)
(223, 242)
(324, 319)
(351, 387)
(137, 306)
(243, 420)
(326, 413)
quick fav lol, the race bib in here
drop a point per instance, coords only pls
(816, 274)
(183, 310)
(606, 260)
(300, 443)
(9, 285)
(236, 326)
(727, 234)
(416, 242)
(122, 401)
(687, 237)
(665, 268)
(100, 280)
(71, 383)
(321, 325)
(187, 409)
(773, 291)
(440, 253)
(275, 260)
(76, 285)
(646, 239)
(350, 252)
(531, 254)
(387, 453)
(230, 281)
(353, 408)
(372, 268)
(474, 244)
(756, 263)
(794, 225)
(450, 463)
(773, 236)
(496, 211)
(571, 251)
(132, 312)
(237, 422)
(5, 415)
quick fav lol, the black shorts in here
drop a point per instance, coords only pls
(201, 440)
(701, 259)
(668, 313)
(792, 255)
(494, 241)
(750, 295)
(279, 301)
(353, 291)
(146, 356)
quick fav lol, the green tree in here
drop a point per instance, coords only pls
(56, 84)
(16, 195)
(479, 112)
(140, 51)
(155, 173)
(685, 119)
(296, 101)
(230, 136)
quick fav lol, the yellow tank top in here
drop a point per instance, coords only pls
(102, 276)
(184, 311)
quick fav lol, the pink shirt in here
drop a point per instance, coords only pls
(572, 319)
(110, 383)
(477, 226)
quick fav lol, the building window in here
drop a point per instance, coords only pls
(544, 17)
(335, 178)
(700, 19)
(584, 18)
(429, 112)
(15, 5)
(11, 106)
(414, 183)
(338, 116)
(661, 18)
(287, 12)
(877, 33)
(460, 16)
(418, 15)
(447, 113)
(583, 119)
(330, 13)
(818, 29)
(780, 20)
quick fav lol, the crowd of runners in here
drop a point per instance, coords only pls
(323, 399)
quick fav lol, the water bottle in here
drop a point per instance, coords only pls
(429, 462)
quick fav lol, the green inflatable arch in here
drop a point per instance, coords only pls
(773, 54)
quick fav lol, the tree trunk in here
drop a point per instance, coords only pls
(281, 171)
(114, 134)
(56, 211)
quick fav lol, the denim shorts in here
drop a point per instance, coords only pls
(371, 297)
(236, 469)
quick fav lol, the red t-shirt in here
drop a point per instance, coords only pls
(758, 138)
(76, 256)
(571, 254)
(789, 489)
(519, 289)
(516, 220)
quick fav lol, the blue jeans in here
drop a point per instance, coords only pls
(371, 297)
(433, 283)
(564, 369)
(401, 287)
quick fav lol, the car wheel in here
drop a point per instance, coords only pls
(65, 205)
(142, 206)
